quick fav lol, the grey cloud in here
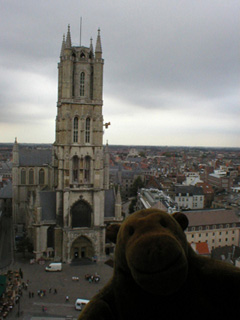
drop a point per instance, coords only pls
(155, 52)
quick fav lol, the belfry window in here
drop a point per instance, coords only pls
(87, 130)
(75, 129)
(82, 82)
(75, 168)
(41, 176)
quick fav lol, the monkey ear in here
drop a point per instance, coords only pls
(112, 232)
(181, 219)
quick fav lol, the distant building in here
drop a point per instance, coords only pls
(133, 153)
(6, 198)
(155, 198)
(120, 175)
(60, 192)
(215, 227)
(191, 179)
(189, 197)
(221, 179)
(208, 193)
(5, 172)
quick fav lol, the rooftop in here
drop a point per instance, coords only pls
(212, 217)
(34, 157)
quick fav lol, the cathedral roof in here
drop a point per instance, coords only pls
(48, 205)
(109, 210)
(34, 157)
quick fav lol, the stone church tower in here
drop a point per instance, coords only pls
(60, 195)
(81, 177)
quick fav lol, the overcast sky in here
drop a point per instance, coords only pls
(171, 71)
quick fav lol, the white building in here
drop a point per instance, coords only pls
(189, 197)
(215, 227)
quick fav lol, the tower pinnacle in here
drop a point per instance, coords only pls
(98, 43)
(68, 40)
(63, 46)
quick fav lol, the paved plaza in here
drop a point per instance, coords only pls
(55, 304)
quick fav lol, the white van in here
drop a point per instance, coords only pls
(54, 266)
(80, 304)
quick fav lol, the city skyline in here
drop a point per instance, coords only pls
(171, 70)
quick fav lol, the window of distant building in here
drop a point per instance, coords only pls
(75, 129)
(31, 176)
(41, 176)
(23, 176)
(87, 130)
(82, 83)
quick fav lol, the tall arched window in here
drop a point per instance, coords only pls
(75, 168)
(82, 80)
(41, 176)
(91, 83)
(81, 214)
(87, 130)
(23, 176)
(31, 176)
(87, 169)
(75, 129)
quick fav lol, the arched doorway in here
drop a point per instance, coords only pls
(82, 248)
(81, 213)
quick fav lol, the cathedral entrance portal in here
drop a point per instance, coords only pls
(82, 248)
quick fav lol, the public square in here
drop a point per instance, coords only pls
(55, 304)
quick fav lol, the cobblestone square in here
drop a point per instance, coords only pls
(55, 304)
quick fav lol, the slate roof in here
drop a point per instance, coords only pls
(34, 157)
(6, 191)
(48, 205)
(212, 217)
(191, 190)
(109, 205)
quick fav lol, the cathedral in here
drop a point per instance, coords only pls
(61, 195)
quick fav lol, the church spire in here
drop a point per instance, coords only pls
(98, 43)
(63, 46)
(68, 39)
(91, 45)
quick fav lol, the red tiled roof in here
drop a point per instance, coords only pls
(202, 248)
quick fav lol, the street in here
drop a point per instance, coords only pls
(54, 304)
(5, 241)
